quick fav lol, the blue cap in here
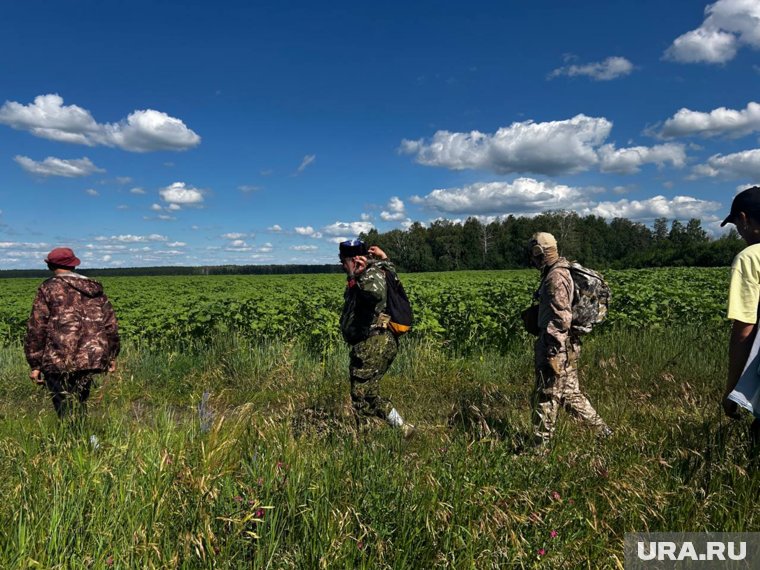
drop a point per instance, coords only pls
(352, 248)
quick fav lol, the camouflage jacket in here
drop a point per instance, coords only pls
(365, 298)
(555, 307)
(72, 326)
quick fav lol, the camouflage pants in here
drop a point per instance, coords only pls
(370, 360)
(65, 387)
(554, 391)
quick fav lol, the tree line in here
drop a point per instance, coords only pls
(591, 240)
(444, 245)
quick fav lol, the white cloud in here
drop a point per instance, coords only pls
(142, 130)
(307, 160)
(728, 25)
(181, 194)
(352, 228)
(528, 197)
(156, 207)
(610, 68)
(238, 243)
(266, 248)
(629, 160)
(234, 235)
(136, 190)
(308, 231)
(304, 247)
(173, 207)
(176, 244)
(338, 239)
(48, 118)
(275, 228)
(702, 46)
(149, 130)
(130, 238)
(29, 246)
(52, 166)
(679, 207)
(551, 148)
(106, 258)
(521, 196)
(248, 188)
(92, 192)
(718, 122)
(107, 247)
(395, 210)
(744, 164)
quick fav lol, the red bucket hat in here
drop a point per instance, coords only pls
(62, 256)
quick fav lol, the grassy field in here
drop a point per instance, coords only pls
(232, 454)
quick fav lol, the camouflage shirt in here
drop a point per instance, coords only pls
(365, 298)
(72, 326)
(555, 307)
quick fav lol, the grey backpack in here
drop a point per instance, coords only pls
(591, 298)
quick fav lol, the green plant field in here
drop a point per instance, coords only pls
(468, 310)
(269, 473)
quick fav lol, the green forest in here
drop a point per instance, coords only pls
(620, 243)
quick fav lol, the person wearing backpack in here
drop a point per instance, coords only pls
(368, 327)
(558, 345)
(71, 333)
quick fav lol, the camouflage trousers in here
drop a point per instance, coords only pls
(370, 360)
(69, 390)
(554, 391)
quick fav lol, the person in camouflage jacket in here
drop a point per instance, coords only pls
(557, 347)
(72, 333)
(364, 325)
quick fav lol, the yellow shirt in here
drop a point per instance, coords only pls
(744, 290)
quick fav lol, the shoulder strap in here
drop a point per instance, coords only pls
(566, 264)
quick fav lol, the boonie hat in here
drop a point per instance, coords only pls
(63, 256)
(544, 239)
(352, 248)
(540, 242)
(747, 201)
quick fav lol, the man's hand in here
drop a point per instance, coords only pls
(377, 252)
(554, 364)
(112, 366)
(730, 408)
(36, 376)
(360, 264)
(354, 265)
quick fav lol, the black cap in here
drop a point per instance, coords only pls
(352, 248)
(747, 201)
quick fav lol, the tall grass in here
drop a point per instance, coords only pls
(280, 479)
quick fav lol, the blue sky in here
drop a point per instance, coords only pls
(181, 133)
